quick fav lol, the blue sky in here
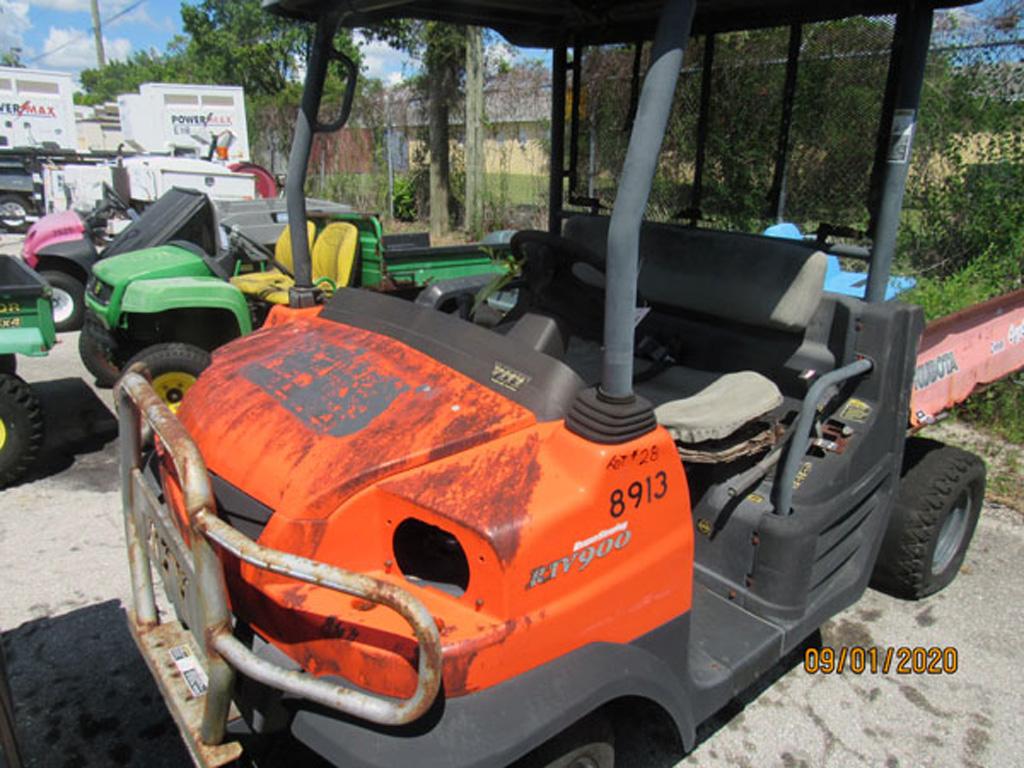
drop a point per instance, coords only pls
(56, 34)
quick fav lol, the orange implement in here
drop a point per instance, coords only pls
(964, 351)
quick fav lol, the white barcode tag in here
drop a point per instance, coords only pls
(190, 669)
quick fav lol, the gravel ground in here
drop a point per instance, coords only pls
(84, 697)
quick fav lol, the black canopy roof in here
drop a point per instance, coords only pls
(547, 23)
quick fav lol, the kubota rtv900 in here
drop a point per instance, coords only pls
(408, 539)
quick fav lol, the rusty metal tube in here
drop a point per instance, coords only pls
(224, 652)
(367, 706)
(129, 438)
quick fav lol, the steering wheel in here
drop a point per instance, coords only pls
(546, 257)
(551, 282)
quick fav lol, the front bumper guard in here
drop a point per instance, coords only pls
(203, 592)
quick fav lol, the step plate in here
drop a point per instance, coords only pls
(155, 645)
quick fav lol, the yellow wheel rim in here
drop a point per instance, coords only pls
(3, 434)
(172, 387)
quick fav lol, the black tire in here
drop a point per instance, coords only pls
(66, 288)
(590, 743)
(99, 357)
(21, 428)
(8, 364)
(170, 360)
(14, 211)
(933, 520)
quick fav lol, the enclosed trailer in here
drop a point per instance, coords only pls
(182, 119)
(36, 109)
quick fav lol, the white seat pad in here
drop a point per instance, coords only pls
(704, 405)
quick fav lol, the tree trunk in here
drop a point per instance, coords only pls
(437, 108)
(474, 130)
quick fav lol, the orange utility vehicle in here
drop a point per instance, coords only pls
(409, 539)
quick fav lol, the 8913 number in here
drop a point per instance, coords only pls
(637, 493)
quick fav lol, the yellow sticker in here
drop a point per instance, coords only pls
(855, 410)
(756, 498)
(802, 474)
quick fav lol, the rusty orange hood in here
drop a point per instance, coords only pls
(304, 414)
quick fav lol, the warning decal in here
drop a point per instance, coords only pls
(193, 674)
(903, 122)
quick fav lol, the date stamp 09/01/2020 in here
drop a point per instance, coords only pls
(899, 660)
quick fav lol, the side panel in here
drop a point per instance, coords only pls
(499, 725)
(964, 351)
(152, 296)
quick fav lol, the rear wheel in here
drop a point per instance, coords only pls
(99, 355)
(174, 368)
(14, 210)
(933, 520)
(21, 428)
(590, 743)
(68, 300)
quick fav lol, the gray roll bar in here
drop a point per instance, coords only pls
(913, 27)
(321, 53)
(659, 89)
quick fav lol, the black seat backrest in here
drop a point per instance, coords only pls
(731, 301)
(760, 281)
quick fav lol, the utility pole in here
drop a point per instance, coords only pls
(474, 130)
(101, 59)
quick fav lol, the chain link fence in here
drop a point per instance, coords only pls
(722, 171)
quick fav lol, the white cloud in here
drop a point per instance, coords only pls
(14, 23)
(107, 7)
(380, 60)
(74, 49)
(62, 5)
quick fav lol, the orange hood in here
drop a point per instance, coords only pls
(303, 415)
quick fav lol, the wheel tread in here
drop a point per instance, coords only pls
(15, 391)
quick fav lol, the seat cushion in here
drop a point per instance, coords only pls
(334, 253)
(271, 286)
(695, 406)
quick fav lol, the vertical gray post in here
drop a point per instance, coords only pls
(302, 293)
(556, 173)
(914, 28)
(634, 188)
(135, 530)
(97, 31)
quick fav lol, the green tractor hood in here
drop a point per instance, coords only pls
(150, 264)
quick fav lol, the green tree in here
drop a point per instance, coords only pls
(102, 84)
(11, 58)
(442, 49)
(237, 42)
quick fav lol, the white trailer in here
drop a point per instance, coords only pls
(36, 110)
(183, 119)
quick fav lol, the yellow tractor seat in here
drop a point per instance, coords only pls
(283, 247)
(333, 256)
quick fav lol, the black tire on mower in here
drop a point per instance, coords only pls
(8, 364)
(933, 520)
(172, 358)
(73, 290)
(589, 743)
(14, 212)
(21, 431)
(99, 358)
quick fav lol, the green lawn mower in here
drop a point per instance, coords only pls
(170, 306)
(26, 328)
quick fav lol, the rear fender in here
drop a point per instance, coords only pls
(147, 297)
(74, 258)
